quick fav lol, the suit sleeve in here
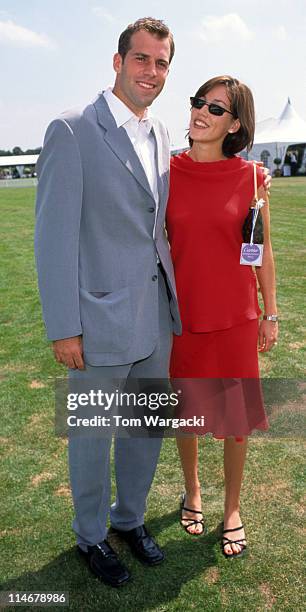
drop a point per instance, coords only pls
(58, 214)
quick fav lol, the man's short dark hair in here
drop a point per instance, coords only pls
(149, 24)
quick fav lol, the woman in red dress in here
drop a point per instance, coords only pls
(211, 190)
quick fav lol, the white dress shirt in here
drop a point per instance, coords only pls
(140, 134)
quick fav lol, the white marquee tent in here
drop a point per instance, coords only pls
(18, 160)
(274, 136)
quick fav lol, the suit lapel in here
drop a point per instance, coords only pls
(118, 140)
(158, 161)
(162, 177)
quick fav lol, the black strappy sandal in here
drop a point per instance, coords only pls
(228, 541)
(191, 521)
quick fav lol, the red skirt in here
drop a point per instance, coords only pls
(218, 378)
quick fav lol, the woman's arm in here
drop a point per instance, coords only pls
(268, 330)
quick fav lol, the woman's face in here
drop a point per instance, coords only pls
(207, 128)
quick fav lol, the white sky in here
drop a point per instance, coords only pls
(58, 54)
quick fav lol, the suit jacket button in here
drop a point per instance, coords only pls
(154, 277)
(151, 209)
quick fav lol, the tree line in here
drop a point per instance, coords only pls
(19, 151)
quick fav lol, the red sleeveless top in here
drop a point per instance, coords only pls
(207, 206)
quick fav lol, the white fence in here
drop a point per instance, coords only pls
(23, 182)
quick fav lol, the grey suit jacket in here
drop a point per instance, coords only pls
(95, 252)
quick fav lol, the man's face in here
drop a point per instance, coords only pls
(142, 75)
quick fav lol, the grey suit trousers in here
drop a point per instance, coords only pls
(135, 458)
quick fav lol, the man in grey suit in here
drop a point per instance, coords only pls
(106, 279)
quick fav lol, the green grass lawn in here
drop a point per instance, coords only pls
(37, 543)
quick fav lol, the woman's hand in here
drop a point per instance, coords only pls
(267, 335)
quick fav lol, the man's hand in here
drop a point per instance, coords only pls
(69, 351)
(268, 177)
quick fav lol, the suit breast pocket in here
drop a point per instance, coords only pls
(106, 320)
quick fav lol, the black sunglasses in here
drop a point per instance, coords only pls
(214, 109)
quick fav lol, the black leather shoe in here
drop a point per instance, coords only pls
(141, 544)
(105, 564)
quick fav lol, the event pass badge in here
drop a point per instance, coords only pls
(251, 254)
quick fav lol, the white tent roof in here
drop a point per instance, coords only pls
(289, 127)
(18, 160)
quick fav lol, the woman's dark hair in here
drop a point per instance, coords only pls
(242, 107)
(149, 24)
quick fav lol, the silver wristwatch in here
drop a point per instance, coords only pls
(272, 317)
